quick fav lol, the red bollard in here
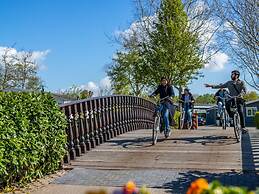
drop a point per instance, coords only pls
(195, 120)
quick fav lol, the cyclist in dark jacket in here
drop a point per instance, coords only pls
(236, 87)
(187, 101)
(166, 107)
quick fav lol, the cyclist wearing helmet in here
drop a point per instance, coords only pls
(165, 90)
(236, 87)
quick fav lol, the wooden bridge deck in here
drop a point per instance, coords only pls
(170, 166)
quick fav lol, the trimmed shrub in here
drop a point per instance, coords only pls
(32, 137)
(257, 120)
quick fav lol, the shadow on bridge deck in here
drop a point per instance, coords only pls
(172, 164)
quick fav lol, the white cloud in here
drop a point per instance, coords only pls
(105, 83)
(103, 87)
(217, 62)
(138, 29)
(37, 56)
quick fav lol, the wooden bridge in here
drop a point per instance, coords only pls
(122, 125)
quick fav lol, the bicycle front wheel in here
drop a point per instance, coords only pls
(237, 128)
(224, 120)
(155, 130)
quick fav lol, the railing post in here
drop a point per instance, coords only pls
(112, 110)
(86, 124)
(103, 118)
(108, 121)
(91, 116)
(122, 108)
(127, 113)
(99, 119)
(75, 118)
(116, 115)
(120, 115)
(79, 109)
(96, 133)
(131, 111)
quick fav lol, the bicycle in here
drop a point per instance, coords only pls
(223, 113)
(183, 116)
(158, 124)
(236, 118)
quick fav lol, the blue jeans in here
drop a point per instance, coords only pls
(188, 113)
(164, 109)
(220, 106)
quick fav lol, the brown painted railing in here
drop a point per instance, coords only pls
(96, 120)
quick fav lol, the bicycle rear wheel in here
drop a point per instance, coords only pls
(237, 128)
(155, 130)
(224, 119)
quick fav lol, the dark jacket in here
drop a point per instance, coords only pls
(164, 91)
(190, 104)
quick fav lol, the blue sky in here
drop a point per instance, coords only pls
(75, 34)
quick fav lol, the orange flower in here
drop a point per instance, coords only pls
(198, 186)
(130, 187)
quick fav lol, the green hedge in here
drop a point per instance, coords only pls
(32, 137)
(257, 120)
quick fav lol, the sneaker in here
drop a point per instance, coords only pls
(244, 130)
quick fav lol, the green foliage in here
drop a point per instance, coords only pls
(19, 71)
(128, 73)
(177, 116)
(257, 120)
(251, 96)
(217, 187)
(169, 50)
(205, 99)
(77, 93)
(173, 50)
(32, 136)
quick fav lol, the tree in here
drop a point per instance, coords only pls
(77, 92)
(241, 35)
(205, 99)
(251, 96)
(128, 73)
(18, 70)
(173, 50)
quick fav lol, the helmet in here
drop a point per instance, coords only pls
(236, 72)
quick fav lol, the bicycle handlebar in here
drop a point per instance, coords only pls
(189, 101)
(239, 96)
(167, 97)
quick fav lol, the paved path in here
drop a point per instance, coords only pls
(168, 167)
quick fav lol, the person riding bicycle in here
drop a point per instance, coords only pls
(219, 96)
(166, 106)
(187, 101)
(236, 87)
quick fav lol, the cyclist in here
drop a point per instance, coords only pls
(236, 87)
(187, 104)
(166, 106)
(221, 93)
